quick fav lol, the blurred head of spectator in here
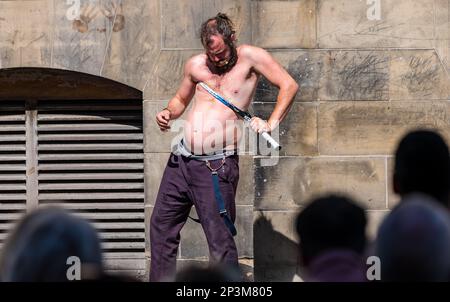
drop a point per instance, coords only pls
(422, 164)
(413, 242)
(332, 232)
(44, 246)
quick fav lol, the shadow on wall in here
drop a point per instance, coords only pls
(276, 256)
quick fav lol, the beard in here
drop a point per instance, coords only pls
(226, 65)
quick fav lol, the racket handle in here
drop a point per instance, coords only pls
(271, 141)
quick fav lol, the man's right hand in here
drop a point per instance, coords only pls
(162, 119)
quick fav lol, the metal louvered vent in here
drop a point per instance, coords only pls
(13, 192)
(90, 161)
(75, 140)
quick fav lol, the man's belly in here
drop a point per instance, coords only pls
(209, 133)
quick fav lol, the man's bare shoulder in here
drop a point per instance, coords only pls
(249, 51)
(196, 61)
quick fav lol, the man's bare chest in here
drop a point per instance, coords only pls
(236, 85)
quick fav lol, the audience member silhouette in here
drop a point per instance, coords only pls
(332, 240)
(422, 164)
(413, 242)
(39, 248)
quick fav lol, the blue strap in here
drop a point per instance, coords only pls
(221, 205)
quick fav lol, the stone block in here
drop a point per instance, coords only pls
(284, 24)
(367, 128)
(26, 33)
(295, 181)
(393, 198)
(297, 134)
(374, 220)
(134, 45)
(360, 24)
(80, 44)
(305, 66)
(148, 211)
(154, 165)
(244, 226)
(246, 187)
(361, 75)
(355, 75)
(166, 75)
(275, 239)
(154, 139)
(442, 32)
(418, 75)
(181, 20)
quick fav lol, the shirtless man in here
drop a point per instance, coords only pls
(210, 139)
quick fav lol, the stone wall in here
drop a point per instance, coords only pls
(368, 71)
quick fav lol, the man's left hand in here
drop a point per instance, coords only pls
(259, 125)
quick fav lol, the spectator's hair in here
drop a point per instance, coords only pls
(413, 242)
(422, 164)
(220, 24)
(39, 248)
(331, 222)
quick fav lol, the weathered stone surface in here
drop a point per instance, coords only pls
(25, 33)
(146, 43)
(402, 23)
(295, 181)
(375, 127)
(361, 75)
(355, 75)
(393, 198)
(181, 20)
(134, 43)
(374, 220)
(275, 245)
(284, 24)
(154, 139)
(124, 264)
(81, 44)
(133, 274)
(154, 165)
(148, 210)
(418, 75)
(193, 240)
(244, 226)
(166, 76)
(442, 32)
(246, 187)
(297, 134)
(306, 68)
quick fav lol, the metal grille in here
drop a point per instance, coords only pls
(12, 166)
(89, 159)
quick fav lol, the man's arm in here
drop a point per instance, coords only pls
(266, 65)
(180, 101)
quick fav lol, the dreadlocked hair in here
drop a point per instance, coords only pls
(220, 24)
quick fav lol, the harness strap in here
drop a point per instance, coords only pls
(219, 199)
